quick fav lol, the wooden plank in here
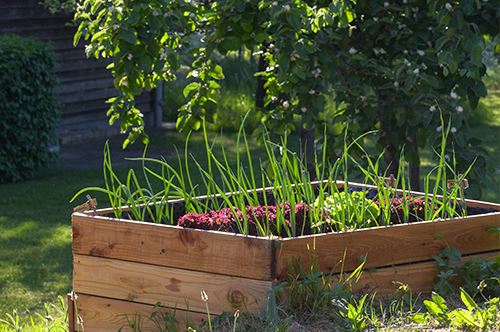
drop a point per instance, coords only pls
(420, 276)
(175, 288)
(79, 75)
(384, 246)
(79, 86)
(173, 246)
(71, 312)
(100, 106)
(101, 314)
(81, 64)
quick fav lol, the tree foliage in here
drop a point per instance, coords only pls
(393, 65)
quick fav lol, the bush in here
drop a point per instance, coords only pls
(28, 111)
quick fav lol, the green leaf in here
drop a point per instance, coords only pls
(467, 299)
(477, 55)
(231, 43)
(217, 73)
(247, 27)
(420, 318)
(189, 88)
(128, 36)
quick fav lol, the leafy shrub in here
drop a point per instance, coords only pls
(29, 111)
(475, 275)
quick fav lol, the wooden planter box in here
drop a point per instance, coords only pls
(122, 268)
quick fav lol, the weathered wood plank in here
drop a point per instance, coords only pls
(173, 246)
(384, 246)
(84, 85)
(102, 314)
(172, 287)
(419, 276)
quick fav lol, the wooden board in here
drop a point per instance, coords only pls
(385, 246)
(101, 314)
(175, 288)
(420, 276)
(173, 246)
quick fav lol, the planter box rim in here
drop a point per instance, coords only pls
(101, 214)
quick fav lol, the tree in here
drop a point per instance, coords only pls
(393, 64)
(407, 62)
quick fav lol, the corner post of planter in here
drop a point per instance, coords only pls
(275, 251)
(71, 312)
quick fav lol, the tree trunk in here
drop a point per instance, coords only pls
(415, 177)
(391, 152)
(260, 93)
(414, 164)
(307, 149)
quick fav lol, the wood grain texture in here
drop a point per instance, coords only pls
(420, 276)
(71, 312)
(99, 314)
(175, 288)
(173, 246)
(385, 246)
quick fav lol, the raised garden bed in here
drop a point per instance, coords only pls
(123, 268)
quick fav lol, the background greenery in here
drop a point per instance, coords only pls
(28, 107)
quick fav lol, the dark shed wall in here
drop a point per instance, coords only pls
(84, 84)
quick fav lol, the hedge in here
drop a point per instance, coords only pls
(28, 109)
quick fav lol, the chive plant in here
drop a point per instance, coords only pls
(234, 184)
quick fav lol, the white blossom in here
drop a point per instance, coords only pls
(448, 6)
(453, 95)
(316, 72)
(386, 4)
(130, 56)
(432, 108)
(303, 109)
(396, 84)
(286, 7)
(416, 71)
(111, 9)
(420, 52)
(353, 51)
(275, 3)
(116, 26)
(119, 10)
(312, 91)
(163, 54)
(459, 109)
(453, 130)
(375, 19)
(439, 129)
(88, 49)
(405, 52)
(286, 104)
(447, 157)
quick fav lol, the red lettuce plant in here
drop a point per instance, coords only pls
(266, 216)
(407, 209)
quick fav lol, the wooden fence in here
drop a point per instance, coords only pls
(83, 84)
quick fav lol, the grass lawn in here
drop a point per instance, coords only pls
(35, 231)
